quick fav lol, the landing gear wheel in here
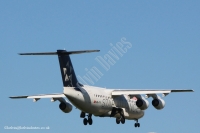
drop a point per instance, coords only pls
(85, 121)
(117, 120)
(122, 120)
(137, 124)
(90, 121)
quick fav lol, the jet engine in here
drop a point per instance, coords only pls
(65, 107)
(142, 103)
(158, 103)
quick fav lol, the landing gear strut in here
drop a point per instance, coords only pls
(82, 115)
(86, 120)
(137, 124)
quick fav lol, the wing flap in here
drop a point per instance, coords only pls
(17, 97)
(182, 90)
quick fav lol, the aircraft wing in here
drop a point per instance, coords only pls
(146, 91)
(55, 96)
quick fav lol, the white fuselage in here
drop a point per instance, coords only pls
(99, 102)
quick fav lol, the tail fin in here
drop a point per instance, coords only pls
(67, 72)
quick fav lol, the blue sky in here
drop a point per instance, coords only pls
(164, 55)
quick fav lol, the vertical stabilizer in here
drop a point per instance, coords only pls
(67, 71)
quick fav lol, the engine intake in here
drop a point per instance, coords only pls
(65, 107)
(158, 103)
(142, 103)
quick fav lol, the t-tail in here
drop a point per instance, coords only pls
(67, 71)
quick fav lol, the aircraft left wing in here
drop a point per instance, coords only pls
(146, 91)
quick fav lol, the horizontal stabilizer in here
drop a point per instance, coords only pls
(61, 52)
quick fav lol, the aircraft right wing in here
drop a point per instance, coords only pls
(65, 106)
(55, 96)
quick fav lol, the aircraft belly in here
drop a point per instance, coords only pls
(85, 102)
(135, 114)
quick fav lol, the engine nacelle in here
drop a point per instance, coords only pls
(142, 103)
(158, 103)
(65, 107)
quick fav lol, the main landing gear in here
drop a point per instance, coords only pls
(86, 120)
(121, 119)
(120, 115)
(137, 124)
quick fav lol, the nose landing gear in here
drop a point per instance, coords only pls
(137, 124)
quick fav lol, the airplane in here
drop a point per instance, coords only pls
(121, 104)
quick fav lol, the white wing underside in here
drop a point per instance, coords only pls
(61, 95)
